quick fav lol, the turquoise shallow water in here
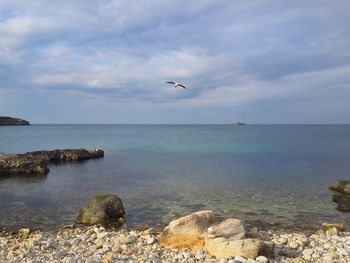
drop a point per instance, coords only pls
(253, 172)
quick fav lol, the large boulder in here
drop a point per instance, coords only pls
(226, 239)
(342, 187)
(103, 209)
(249, 248)
(200, 231)
(188, 231)
(232, 229)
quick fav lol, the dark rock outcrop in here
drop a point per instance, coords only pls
(19, 164)
(342, 187)
(104, 209)
(8, 121)
(343, 202)
(341, 195)
(36, 163)
(66, 155)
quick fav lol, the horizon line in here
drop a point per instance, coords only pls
(232, 124)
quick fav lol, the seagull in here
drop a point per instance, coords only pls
(176, 84)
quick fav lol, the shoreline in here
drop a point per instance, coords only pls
(99, 244)
(249, 224)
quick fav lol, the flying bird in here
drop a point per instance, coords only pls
(176, 84)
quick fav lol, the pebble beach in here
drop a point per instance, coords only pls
(95, 244)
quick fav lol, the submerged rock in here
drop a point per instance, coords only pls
(36, 163)
(341, 195)
(103, 209)
(8, 121)
(343, 202)
(342, 187)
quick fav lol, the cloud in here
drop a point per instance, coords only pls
(321, 84)
(230, 54)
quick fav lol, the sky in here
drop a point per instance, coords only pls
(107, 61)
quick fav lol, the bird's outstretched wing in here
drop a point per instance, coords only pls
(170, 82)
(182, 86)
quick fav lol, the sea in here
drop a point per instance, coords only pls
(263, 174)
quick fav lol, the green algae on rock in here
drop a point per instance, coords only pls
(342, 187)
(103, 209)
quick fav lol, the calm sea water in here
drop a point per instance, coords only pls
(253, 172)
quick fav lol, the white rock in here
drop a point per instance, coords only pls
(283, 240)
(262, 259)
(315, 255)
(211, 230)
(293, 245)
(150, 241)
(240, 259)
(308, 252)
(102, 235)
(343, 252)
(199, 255)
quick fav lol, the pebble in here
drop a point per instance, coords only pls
(151, 240)
(293, 245)
(199, 255)
(240, 259)
(262, 259)
(97, 244)
(344, 252)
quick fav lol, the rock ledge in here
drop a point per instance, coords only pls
(36, 163)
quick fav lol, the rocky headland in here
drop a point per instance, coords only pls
(8, 121)
(36, 163)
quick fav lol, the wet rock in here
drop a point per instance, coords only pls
(343, 202)
(66, 155)
(103, 209)
(188, 231)
(36, 163)
(19, 164)
(149, 231)
(342, 187)
(24, 232)
(332, 229)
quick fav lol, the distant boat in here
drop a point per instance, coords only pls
(239, 123)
